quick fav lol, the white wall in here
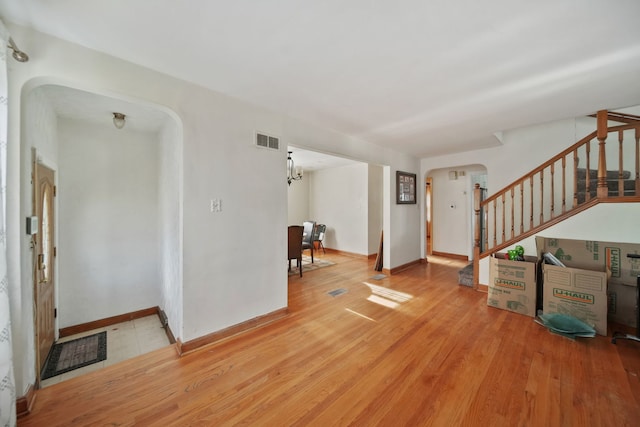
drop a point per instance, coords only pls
(298, 200)
(42, 123)
(605, 222)
(170, 223)
(375, 209)
(339, 199)
(219, 161)
(108, 222)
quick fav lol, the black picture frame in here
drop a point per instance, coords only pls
(405, 188)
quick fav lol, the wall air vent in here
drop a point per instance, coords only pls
(267, 141)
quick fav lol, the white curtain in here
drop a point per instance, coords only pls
(7, 383)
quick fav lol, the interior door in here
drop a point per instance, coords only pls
(428, 213)
(44, 259)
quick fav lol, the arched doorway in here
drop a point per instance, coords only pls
(119, 200)
(449, 211)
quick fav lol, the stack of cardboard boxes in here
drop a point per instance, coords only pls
(597, 283)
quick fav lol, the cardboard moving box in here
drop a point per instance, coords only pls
(594, 255)
(622, 303)
(578, 293)
(512, 285)
(603, 256)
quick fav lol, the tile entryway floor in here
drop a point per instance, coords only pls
(124, 341)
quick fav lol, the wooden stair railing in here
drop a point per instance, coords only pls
(561, 187)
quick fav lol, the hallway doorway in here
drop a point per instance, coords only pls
(428, 216)
(448, 213)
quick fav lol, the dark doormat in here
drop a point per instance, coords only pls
(70, 355)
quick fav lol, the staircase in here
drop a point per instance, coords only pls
(589, 172)
(465, 276)
(612, 180)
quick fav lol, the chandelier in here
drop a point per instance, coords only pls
(293, 173)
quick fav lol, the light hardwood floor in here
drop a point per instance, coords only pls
(412, 349)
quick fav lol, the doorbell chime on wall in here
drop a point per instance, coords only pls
(32, 225)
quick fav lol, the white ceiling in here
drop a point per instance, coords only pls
(80, 105)
(425, 77)
(314, 160)
(76, 104)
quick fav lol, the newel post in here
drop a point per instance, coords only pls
(477, 196)
(602, 131)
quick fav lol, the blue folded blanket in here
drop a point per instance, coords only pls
(565, 325)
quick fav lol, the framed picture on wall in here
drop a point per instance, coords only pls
(405, 188)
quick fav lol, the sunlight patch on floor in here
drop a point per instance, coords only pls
(382, 301)
(446, 261)
(359, 314)
(387, 297)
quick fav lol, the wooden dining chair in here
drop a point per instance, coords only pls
(307, 236)
(318, 236)
(295, 245)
